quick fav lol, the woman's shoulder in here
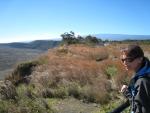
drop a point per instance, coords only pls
(144, 80)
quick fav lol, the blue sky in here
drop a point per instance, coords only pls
(25, 20)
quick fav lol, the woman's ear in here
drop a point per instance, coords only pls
(140, 59)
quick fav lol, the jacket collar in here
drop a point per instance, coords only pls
(144, 71)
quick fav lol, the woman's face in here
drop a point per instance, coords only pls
(130, 63)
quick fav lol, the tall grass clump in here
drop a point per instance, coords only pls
(75, 89)
(111, 71)
(26, 101)
(112, 105)
(97, 93)
(115, 72)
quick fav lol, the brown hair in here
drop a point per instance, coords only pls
(133, 51)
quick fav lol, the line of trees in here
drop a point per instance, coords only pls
(70, 38)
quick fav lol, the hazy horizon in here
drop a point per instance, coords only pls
(101, 36)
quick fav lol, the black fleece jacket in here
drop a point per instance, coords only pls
(138, 92)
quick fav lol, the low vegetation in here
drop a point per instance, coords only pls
(22, 99)
(91, 74)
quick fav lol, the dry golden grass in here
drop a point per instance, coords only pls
(78, 64)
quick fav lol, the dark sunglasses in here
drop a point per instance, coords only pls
(127, 59)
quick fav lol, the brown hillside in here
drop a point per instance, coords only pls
(87, 73)
(82, 71)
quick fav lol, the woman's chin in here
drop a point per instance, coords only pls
(127, 68)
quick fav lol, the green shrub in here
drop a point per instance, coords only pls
(111, 71)
(25, 69)
(26, 91)
(74, 89)
(21, 73)
(26, 102)
(61, 92)
(4, 105)
(47, 93)
(7, 90)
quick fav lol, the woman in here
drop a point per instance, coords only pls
(138, 90)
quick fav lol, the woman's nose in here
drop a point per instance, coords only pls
(125, 63)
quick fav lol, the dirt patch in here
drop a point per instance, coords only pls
(71, 105)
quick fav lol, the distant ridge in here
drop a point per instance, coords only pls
(121, 37)
(46, 44)
(37, 44)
